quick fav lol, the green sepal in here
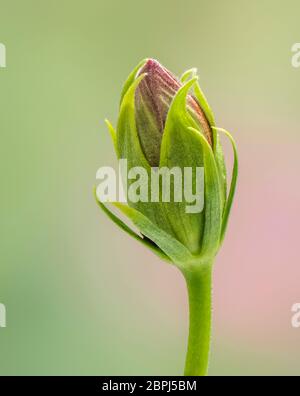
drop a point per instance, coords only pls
(191, 74)
(112, 133)
(177, 252)
(178, 107)
(128, 143)
(188, 74)
(204, 104)
(129, 147)
(213, 201)
(180, 148)
(145, 241)
(131, 78)
(217, 148)
(232, 188)
(220, 161)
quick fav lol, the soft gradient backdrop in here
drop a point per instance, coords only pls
(81, 296)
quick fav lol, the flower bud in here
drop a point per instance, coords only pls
(167, 123)
(153, 98)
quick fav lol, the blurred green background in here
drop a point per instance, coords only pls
(81, 296)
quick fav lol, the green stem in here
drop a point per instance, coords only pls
(199, 291)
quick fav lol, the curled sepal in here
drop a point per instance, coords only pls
(188, 74)
(232, 189)
(191, 74)
(213, 201)
(112, 133)
(177, 252)
(145, 241)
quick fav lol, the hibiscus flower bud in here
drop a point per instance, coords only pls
(165, 123)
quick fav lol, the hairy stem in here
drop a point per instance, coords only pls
(199, 292)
